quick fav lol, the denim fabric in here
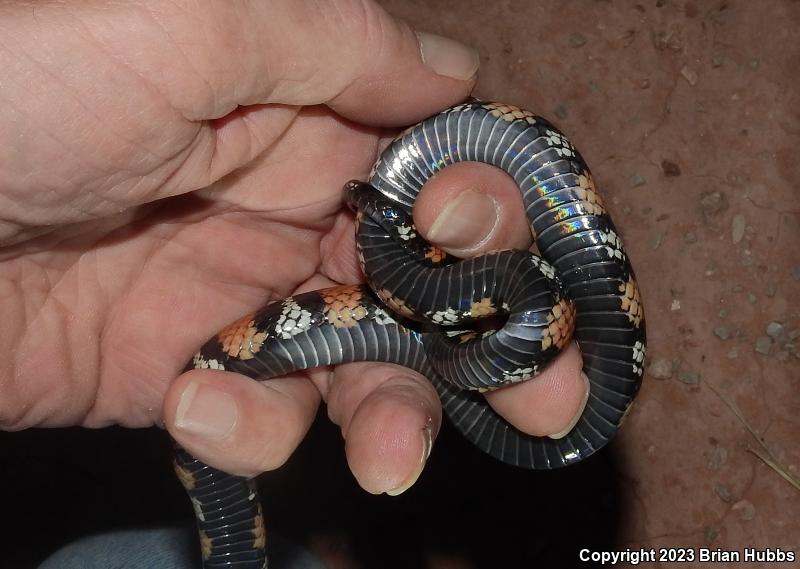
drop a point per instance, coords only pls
(162, 548)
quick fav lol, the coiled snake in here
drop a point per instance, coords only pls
(420, 302)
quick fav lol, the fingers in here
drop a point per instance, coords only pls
(470, 208)
(236, 424)
(551, 403)
(389, 417)
(349, 53)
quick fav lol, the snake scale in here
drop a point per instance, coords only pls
(420, 305)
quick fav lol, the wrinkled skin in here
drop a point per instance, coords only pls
(169, 166)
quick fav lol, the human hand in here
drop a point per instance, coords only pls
(168, 167)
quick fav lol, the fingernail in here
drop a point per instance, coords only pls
(466, 222)
(206, 412)
(427, 444)
(448, 57)
(576, 418)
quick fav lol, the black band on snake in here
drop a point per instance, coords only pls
(420, 305)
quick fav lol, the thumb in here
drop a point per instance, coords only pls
(469, 208)
(350, 54)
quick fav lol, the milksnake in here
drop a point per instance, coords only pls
(421, 309)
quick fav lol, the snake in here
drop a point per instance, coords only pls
(423, 308)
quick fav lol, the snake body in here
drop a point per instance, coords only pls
(419, 306)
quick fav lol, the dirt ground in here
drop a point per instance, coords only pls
(688, 113)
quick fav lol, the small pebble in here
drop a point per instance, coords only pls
(723, 313)
(690, 75)
(576, 39)
(690, 237)
(763, 345)
(723, 492)
(712, 203)
(733, 353)
(751, 298)
(782, 356)
(636, 180)
(711, 533)
(796, 272)
(776, 331)
(737, 288)
(772, 288)
(754, 64)
(723, 332)
(689, 377)
(737, 227)
(656, 243)
(794, 334)
(745, 508)
(717, 59)
(662, 368)
(717, 457)
(675, 306)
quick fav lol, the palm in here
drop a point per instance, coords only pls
(121, 305)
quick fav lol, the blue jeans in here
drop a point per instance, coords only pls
(162, 548)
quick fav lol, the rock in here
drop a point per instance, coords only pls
(723, 332)
(776, 331)
(690, 75)
(763, 345)
(690, 237)
(745, 509)
(723, 492)
(636, 180)
(711, 533)
(576, 40)
(737, 227)
(711, 203)
(717, 457)
(657, 240)
(662, 368)
(689, 377)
